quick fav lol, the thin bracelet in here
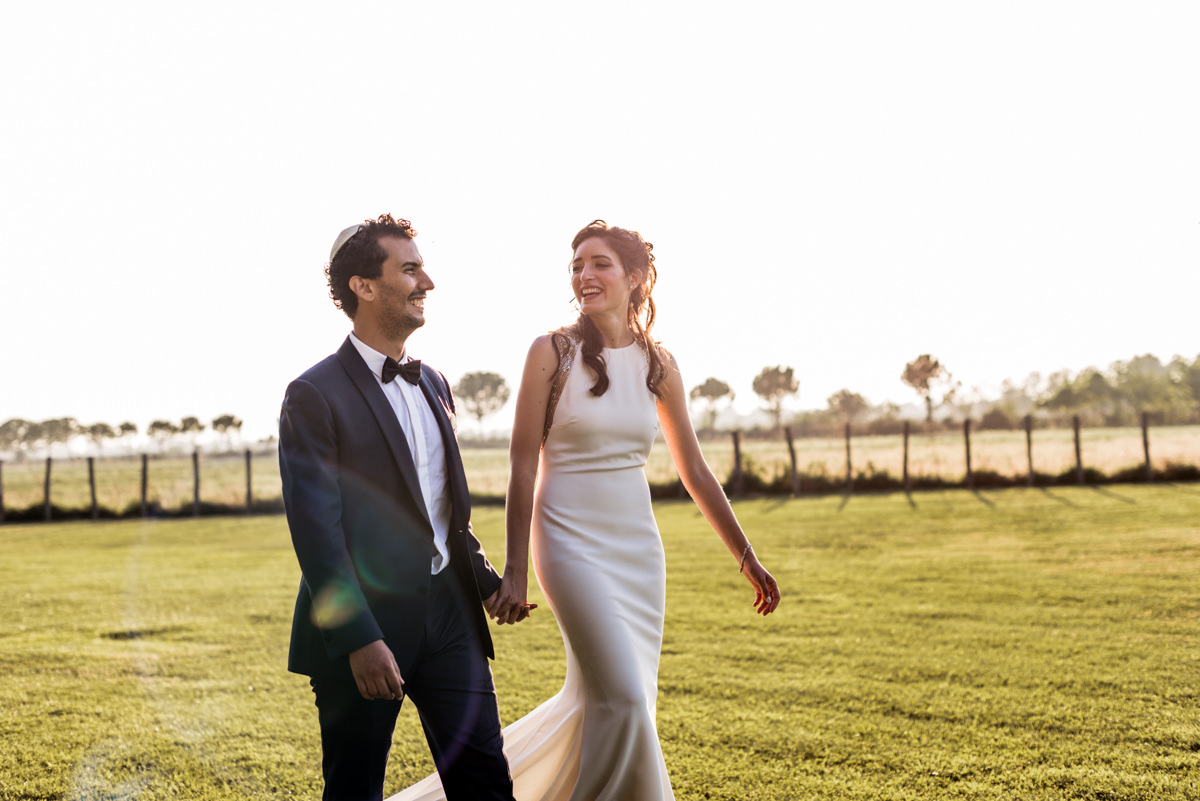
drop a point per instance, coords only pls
(742, 566)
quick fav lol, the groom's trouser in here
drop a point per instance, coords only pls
(451, 685)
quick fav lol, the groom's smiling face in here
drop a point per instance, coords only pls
(401, 287)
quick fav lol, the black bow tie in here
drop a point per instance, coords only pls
(410, 371)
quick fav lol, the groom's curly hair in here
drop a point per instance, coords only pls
(362, 255)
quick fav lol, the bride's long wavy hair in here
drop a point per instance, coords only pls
(638, 260)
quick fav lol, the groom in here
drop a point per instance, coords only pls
(390, 601)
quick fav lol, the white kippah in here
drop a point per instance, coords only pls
(342, 238)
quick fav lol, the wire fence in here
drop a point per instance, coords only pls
(246, 482)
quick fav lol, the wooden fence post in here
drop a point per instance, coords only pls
(249, 496)
(967, 444)
(1146, 445)
(1029, 448)
(195, 483)
(737, 480)
(849, 469)
(92, 486)
(46, 490)
(145, 482)
(1, 492)
(1078, 452)
(792, 453)
(907, 481)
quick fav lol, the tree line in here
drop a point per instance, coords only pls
(24, 436)
(1168, 394)
(1117, 396)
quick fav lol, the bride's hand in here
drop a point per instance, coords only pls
(766, 591)
(507, 604)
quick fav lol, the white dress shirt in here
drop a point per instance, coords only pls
(424, 443)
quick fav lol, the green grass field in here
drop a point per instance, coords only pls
(223, 478)
(1013, 644)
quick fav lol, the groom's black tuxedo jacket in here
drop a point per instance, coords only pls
(358, 519)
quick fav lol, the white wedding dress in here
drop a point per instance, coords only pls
(599, 560)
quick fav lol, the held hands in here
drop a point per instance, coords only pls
(508, 604)
(376, 673)
(766, 591)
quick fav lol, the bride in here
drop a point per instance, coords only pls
(592, 398)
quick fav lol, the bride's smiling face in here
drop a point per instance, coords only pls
(599, 280)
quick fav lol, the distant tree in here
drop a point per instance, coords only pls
(482, 393)
(1170, 393)
(161, 431)
(1052, 385)
(996, 419)
(711, 392)
(889, 409)
(924, 374)
(1017, 399)
(34, 436)
(15, 436)
(59, 431)
(773, 385)
(8, 433)
(226, 425)
(127, 431)
(191, 427)
(1062, 398)
(847, 405)
(1094, 390)
(1144, 384)
(964, 402)
(1187, 375)
(1088, 394)
(97, 433)
(887, 420)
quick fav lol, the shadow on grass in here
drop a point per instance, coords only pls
(847, 495)
(1109, 493)
(1058, 498)
(982, 499)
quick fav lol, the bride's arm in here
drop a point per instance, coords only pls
(703, 486)
(508, 606)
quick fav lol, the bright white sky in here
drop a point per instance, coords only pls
(838, 187)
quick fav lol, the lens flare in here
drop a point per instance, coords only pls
(334, 606)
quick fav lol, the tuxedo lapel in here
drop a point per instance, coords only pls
(385, 416)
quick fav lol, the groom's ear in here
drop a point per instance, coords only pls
(363, 287)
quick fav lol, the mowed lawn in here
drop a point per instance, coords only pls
(1013, 644)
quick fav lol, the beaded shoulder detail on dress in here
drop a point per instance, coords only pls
(566, 346)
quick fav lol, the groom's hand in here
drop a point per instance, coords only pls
(507, 604)
(376, 673)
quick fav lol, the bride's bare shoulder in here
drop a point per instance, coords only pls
(543, 348)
